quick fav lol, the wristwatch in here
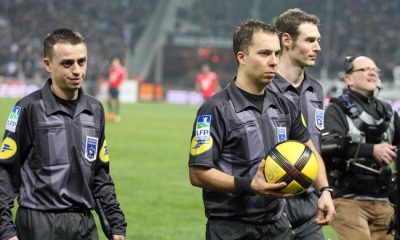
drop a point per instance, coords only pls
(327, 188)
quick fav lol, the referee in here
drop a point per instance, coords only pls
(300, 46)
(232, 134)
(54, 155)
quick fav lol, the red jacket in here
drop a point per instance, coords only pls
(117, 76)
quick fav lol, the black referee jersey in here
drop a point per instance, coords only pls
(309, 100)
(55, 161)
(231, 135)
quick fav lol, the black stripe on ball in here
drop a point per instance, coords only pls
(293, 172)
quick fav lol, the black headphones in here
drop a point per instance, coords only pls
(348, 64)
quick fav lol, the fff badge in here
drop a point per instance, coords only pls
(319, 118)
(13, 119)
(91, 148)
(203, 125)
(281, 131)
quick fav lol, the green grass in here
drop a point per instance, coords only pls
(148, 156)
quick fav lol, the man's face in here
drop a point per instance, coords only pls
(260, 63)
(67, 66)
(305, 49)
(205, 68)
(365, 76)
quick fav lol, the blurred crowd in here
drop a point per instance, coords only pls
(369, 27)
(111, 27)
(216, 18)
(361, 27)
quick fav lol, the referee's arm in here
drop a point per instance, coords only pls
(326, 209)
(322, 179)
(215, 180)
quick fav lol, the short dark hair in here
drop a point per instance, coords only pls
(243, 36)
(61, 35)
(290, 20)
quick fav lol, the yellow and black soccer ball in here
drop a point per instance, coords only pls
(291, 162)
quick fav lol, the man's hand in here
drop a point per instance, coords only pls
(384, 152)
(260, 186)
(118, 237)
(326, 209)
(13, 238)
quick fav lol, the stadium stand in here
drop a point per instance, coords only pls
(203, 31)
(109, 26)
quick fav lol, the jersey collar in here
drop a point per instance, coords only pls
(282, 85)
(51, 105)
(239, 102)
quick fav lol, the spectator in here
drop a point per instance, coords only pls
(207, 82)
(117, 74)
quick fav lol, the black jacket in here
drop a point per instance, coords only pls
(55, 161)
(349, 181)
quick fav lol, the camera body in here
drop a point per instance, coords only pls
(362, 176)
(333, 145)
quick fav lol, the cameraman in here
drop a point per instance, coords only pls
(365, 131)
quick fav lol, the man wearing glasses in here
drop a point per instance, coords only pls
(365, 131)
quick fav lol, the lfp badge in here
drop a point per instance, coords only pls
(203, 125)
(13, 119)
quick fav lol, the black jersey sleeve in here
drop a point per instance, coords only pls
(14, 146)
(297, 129)
(104, 188)
(207, 136)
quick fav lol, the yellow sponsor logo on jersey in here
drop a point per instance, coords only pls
(303, 120)
(197, 148)
(104, 152)
(8, 148)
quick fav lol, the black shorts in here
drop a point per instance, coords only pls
(38, 225)
(235, 230)
(301, 211)
(114, 93)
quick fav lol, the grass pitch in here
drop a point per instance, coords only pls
(148, 157)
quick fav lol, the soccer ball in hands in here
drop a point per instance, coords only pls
(291, 162)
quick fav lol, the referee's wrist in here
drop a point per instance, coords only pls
(242, 185)
(327, 189)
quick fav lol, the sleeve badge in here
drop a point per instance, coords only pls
(8, 148)
(104, 157)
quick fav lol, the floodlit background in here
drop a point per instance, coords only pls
(163, 43)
